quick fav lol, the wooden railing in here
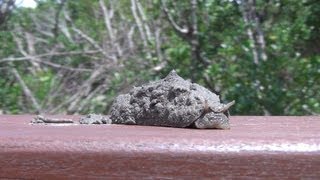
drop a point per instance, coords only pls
(255, 146)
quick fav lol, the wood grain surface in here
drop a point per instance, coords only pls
(255, 146)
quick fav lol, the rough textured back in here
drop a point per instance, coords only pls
(171, 101)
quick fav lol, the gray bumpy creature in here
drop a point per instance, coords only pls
(172, 102)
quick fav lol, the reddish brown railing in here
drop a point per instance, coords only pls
(267, 147)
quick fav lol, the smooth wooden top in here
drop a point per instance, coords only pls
(255, 146)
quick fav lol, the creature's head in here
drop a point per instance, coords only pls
(216, 117)
(213, 120)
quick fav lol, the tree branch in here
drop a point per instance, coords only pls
(107, 22)
(10, 59)
(26, 90)
(92, 42)
(144, 21)
(176, 27)
(138, 22)
(254, 30)
(30, 44)
(56, 18)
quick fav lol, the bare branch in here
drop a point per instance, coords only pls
(19, 44)
(130, 35)
(59, 66)
(31, 50)
(252, 43)
(194, 40)
(254, 30)
(85, 89)
(82, 91)
(172, 22)
(56, 24)
(26, 90)
(144, 21)
(162, 63)
(39, 27)
(93, 93)
(47, 102)
(107, 22)
(30, 43)
(92, 42)
(55, 65)
(107, 18)
(10, 59)
(138, 22)
(158, 44)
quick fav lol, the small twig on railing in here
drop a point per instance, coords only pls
(40, 119)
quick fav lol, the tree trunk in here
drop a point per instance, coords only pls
(254, 30)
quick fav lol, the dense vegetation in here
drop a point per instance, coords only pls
(75, 56)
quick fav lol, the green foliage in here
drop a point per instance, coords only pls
(286, 84)
(10, 96)
(41, 85)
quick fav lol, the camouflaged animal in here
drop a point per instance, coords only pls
(171, 102)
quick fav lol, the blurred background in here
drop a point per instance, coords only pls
(74, 57)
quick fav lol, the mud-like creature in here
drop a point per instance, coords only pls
(171, 102)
